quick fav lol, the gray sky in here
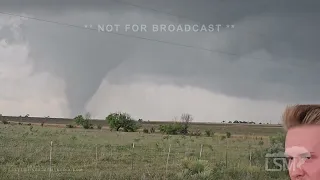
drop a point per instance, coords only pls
(268, 60)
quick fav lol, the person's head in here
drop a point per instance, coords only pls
(302, 123)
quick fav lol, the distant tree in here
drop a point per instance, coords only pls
(145, 130)
(186, 119)
(140, 120)
(230, 122)
(223, 121)
(42, 123)
(85, 122)
(208, 132)
(152, 130)
(235, 121)
(228, 134)
(79, 120)
(172, 128)
(122, 120)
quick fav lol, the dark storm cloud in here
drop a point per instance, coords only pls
(283, 34)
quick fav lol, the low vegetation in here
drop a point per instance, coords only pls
(132, 150)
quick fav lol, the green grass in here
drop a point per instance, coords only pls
(101, 154)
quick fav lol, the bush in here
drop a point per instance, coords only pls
(228, 134)
(198, 169)
(277, 145)
(278, 139)
(84, 121)
(196, 133)
(99, 126)
(223, 137)
(79, 120)
(69, 126)
(152, 130)
(194, 167)
(5, 122)
(208, 133)
(171, 129)
(122, 120)
(260, 143)
(145, 130)
(87, 125)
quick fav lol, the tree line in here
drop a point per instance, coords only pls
(124, 122)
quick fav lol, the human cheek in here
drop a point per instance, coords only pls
(312, 170)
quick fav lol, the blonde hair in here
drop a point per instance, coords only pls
(297, 115)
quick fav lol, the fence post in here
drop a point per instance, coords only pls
(250, 158)
(227, 153)
(250, 154)
(50, 159)
(132, 155)
(96, 156)
(201, 150)
(168, 160)
(110, 151)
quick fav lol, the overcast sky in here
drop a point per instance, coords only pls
(268, 60)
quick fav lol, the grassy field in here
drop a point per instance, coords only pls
(26, 153)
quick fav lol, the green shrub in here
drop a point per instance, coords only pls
(208, 133)
(277, 146)
(172, 129)
(69, 126)
(152, 130)
(260, 143)
(79, 120)
(5, 122)
(196, 133)
(145, 130)
(278, 139)
(228, 134)
(223, 137)
(87, 126)
(122, 120)
(194, 169)
(73, 138)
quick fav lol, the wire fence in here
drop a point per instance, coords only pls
(72, 158)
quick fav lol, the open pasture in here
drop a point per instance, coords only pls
(26, 153)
